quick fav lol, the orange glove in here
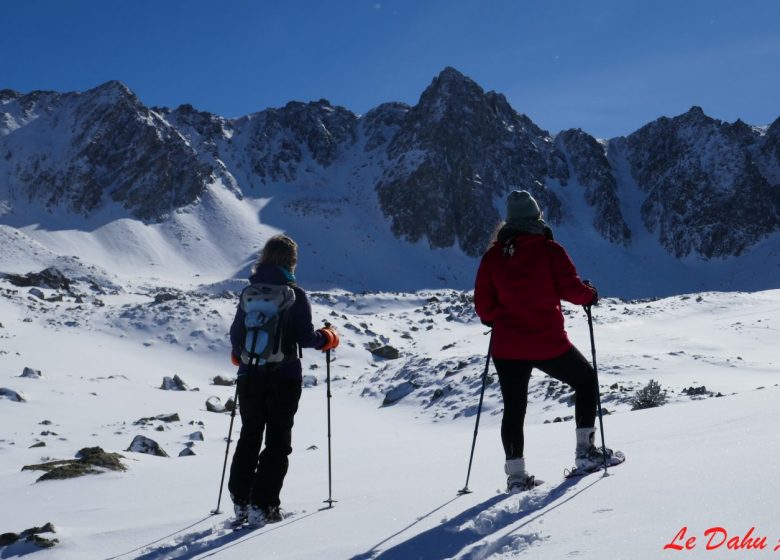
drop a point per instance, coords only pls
(331, 338)
(235, 360)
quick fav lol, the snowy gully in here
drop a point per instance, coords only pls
(718, 538)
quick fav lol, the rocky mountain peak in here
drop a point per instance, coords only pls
(450, 93)
(707, 194)
(8, 95)
(454, 153)
(112, 91)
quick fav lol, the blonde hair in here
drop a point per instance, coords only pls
(280, 250)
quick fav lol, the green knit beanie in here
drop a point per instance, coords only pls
(520, 205)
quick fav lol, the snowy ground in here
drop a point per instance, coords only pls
(700, 462)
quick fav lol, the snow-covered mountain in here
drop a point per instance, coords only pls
(149, 218)
(132, 188)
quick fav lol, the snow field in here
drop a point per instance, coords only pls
(698, 462)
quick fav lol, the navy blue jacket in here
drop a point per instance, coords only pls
(297, 327)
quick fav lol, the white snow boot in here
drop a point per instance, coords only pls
(587, 456)
(517, 479)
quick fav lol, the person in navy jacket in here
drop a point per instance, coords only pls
(268, 395)
(521, 281)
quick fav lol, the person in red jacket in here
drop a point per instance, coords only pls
(521, 281)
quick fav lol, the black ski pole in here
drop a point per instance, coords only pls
(465, 489)
(330, 501)
(252, 357)
(216, 510)
(598, 390)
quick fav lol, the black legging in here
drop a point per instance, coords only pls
(571, 368)
(267, 405)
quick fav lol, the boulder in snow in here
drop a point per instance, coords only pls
(309, 381)
(28, 536)
(143, 444)
(11, 395)
(386, 352)
(186, 452)
(35, 292)
(214, 404)
(31, 373)
(47, 278)
(171, 417)
(397, 393)
(89, 460)
(224, 381)
(174, 383)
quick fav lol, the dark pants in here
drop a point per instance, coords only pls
(571, 368)
(267, 404)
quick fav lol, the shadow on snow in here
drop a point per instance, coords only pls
(450, 537)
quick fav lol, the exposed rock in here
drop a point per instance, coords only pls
(214, 404)
(143, 444)
(187, 452)
(31, 536)
(110, 148)
(386, 351)
(89, 460)
(35, 292)
(171, 417)
(196, 436)
(706, 194)
(163, 297)
(456, 151)
(696, 391)
(588, 160)
(11, 395)
(309, 381)
(224, 381)
(174, 383)
(397, 393)
(31, 373)
(47, 278)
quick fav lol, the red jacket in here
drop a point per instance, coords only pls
(519, 289)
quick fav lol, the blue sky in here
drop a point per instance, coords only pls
(606, 66)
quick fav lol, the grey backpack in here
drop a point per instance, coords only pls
(264, 306)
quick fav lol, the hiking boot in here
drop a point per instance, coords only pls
(273, 514)
(518, 479)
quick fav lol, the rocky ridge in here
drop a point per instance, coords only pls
(709, 189)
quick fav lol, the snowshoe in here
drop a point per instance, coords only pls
(518, 480)
(514, 486)
(591, 465)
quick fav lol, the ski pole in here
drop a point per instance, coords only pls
(216, 510)
(330, 501)
(465, 489)
(598, 390)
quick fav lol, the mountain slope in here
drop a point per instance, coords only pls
(190, 195)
